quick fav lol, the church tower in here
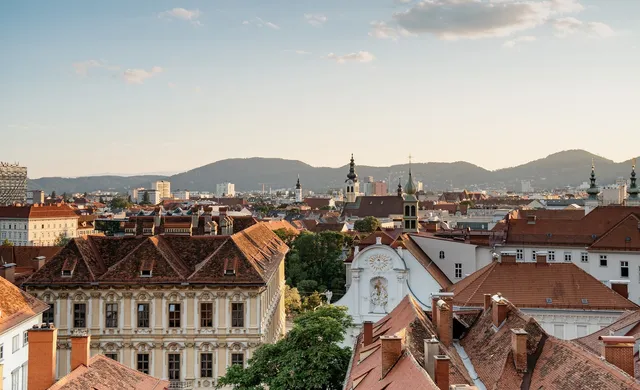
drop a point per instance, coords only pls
(352, 185)
(298, 191)
(593, 191)
(634, 192)
(410, 207)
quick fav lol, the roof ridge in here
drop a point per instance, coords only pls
(97, 254)
(207, 259)
(117, 263)
(175, 260)
(79, 247)
(486, 274)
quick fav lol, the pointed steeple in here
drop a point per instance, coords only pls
(298, 186)
(410, 187)
(352, 170)
(399, 188)
(593, 190)
(633, 190)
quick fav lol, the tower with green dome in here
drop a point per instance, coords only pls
(592, 201)
(634, 192)
(410, 206)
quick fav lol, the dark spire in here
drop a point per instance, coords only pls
(298, 186)
(593, 190)
(399, 187)
(633, 190)
(352, 171)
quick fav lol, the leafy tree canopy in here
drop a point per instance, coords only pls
(61, 240)
(119, 203)
(6, 242)
(366, 224)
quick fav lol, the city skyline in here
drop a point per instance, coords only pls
(170, 86)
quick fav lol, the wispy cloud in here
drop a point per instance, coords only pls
(361, 56)
(301, 52)
(381, 30)
(82, 68)
(568, 26)
(138, 76)
(258, 22)
(191, 16)
(510, 44)
(316, 20)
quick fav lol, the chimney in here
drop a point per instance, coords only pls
(8, 271)
(618, 350)
(38, 262)
(434, 309)
(508, 257)
(80, 342)
(621, 287)
(445, 321)
(42, 356)
(431, 349)
(499, 310)
(519, 349)
(391, 347)
(442, 372)
(487, 301)
(367, 333)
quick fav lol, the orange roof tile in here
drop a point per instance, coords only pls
(16, 306)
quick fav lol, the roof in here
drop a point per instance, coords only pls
(281, 224)
(317, 203)
(373, 206)
(22, 257)
(574, 214)
(626, 325)
(16, 306)
(529, 285)
(106, 374)
(38, 211)
(253, 255)
(408, 321)
(426, 261)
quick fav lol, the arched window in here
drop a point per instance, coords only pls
(407, 225)
(442, 254)
(407, 210)
(413, 211)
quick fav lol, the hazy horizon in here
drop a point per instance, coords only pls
(167, 86)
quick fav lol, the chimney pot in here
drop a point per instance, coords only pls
(499, 310)
(519, 348)
(434, 309)
(445, 321)
(618, 350)
(431, 349)
(391, 349)
(487, 301)
(38, 262)
(367, 333)
(42, 357)
(442, 371)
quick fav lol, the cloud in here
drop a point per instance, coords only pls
(517, 41)
(316, 20)
(301, 52)
(258, 22)
(568, 26)
(473, 19)
(361, 56)
(183, 14)
(82, 68)
(381, 30)
(138, 76)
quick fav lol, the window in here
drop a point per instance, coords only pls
(552, 256)
(143, 315)
(582, 330)
(519, 254)
(558, 330)
(237, 358)
(584, 257)
(174, 366)
(143, 363)
(1, 352)
(24, 376)
(174, 315)
(603, 260)
(567, 257)
(441, 254)
(458, 270)
(112, 356)
(237, 315)
(48, 315)
(111, 318)
(15, 379)
(206, 365)
(79, 315)
(206, 315)
(533, 255)
(25, 338)
(624, 269)
(15, 343)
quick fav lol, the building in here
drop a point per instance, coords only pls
(19, 313)
(371, 187)
(97, 372)
(189, 306)
(37, 224)
(352, 189)
(633, 192)
(525, 186)
(155, 196)
(13, 183)
(35, 196)
(27, 260)
(298, 191)
(225, 189)
(163, 187)
(134, 193)
(181, 194)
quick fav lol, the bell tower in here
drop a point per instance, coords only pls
(634, 192)
(298, 191)
(410, 206)
(352, 184)
(593, 191)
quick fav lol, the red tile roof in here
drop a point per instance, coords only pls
(37, 211)
(16, 306)
(530, 284)
(317, 203)
(626, 325)
(374, 206)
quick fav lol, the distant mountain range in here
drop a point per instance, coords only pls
(567, 168)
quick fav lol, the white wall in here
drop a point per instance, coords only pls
(16, 360)
(471, 257)
(571, 324)
(37, 232)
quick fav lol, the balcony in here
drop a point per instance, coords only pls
(181, 385)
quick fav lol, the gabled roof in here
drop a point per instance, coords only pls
(317, 203)
(626, 325)
(529, 285)
(624, 236)
(106, 374)
(16, 306)
(373, 206)
(256, 253)
(426, 261)
(36, 211)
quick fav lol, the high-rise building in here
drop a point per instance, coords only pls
(13, 183)
(163, 187)
(225, 189)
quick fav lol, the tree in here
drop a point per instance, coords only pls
(469, 203)
(312, 302)
(285, 235)
(64, 197)
(129, 199)
(53, 195)
(292, 301)
(85, 195)
(6, 242)
(145, 198)
(61, 240)
(119, 203)
(366, 224)
(308, 357)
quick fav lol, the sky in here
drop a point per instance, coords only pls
(91, 87)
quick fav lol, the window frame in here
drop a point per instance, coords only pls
(519, 254)
(237, 316)
(206, 365)
(584, 257)
(206, 322)
(551, 255)
(15, 343)
(77, 321)
(235, 361)
(174, 317)
(624, 265)
(112, 355)
(50, 312)
(140, 321)
(457, 269)
(568, 257)
(111, 315)
(25, 338)
(441, 255)
(147, 362)
(606, 261)
(172, 370)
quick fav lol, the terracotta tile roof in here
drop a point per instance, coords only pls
(626, 325)
(281, 224)
(60, 210)
(374, 206)
(107, 374)
(16, 306)
(242, 222)
(329, 227)
(231, 201)
(530, 284)
(408, 321)
(317, 203)
(23, 256)
(426, 261)
(624, 236)
(257, 251)
(552, 214)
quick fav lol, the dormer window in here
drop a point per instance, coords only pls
(67, 273)
(145, 273)
(146, 268)
(230, 267)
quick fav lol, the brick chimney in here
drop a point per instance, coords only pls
(42, 357)
(391, 348)
(621, 287)
(487, 301)
(8, 271)
(80, 343)
(367, 332)
(38, 262)
(519, 349)
(618, 350)
(445, 321)
(499, 310)
(434, 309)
(442, 372)
(431, 349)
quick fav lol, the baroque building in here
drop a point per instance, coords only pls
(179, 308)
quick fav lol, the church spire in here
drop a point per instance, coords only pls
(593, 190)
(399, 187)
(633, 190)
(298, 186)
(352, 170)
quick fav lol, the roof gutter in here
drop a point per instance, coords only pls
(468, 364)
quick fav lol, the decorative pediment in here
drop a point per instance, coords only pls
(175, 297)
(80, 297)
